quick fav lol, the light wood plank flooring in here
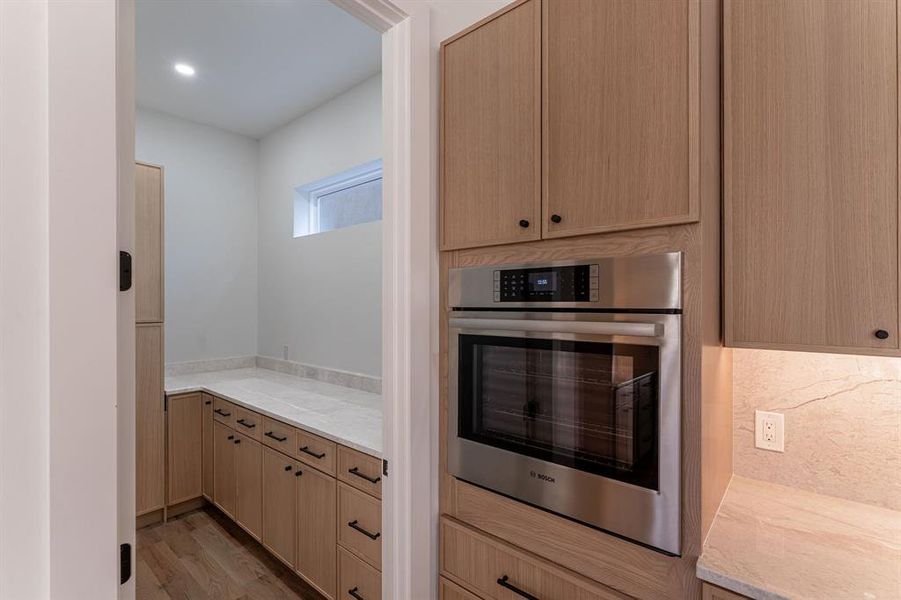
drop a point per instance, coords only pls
(204, 555)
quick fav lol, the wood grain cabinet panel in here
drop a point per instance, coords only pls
(224, 411)
(360, 524)
(249, 484)
(315, 451)
(316, 529)
(360, 470)
(150, 431)
(248, 423)
(712, 592)
(451, 591)
(279, 510)
(620, 115)
(185, 445)
(224, 490)
(811, 175)
(207, 434)
(278, 435)
(355, 576)
(496, 571)
(148, 250)
(491, 131)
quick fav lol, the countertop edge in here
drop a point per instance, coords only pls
(738, 586)
(329, 436)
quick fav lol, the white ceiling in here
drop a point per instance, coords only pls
(260, 63)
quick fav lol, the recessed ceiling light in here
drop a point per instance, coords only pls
(184, 69)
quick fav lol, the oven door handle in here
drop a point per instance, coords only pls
(586, 327)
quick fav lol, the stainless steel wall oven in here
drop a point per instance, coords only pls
(565, 389)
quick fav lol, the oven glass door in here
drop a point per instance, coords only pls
(588, 405)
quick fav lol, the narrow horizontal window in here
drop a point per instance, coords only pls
(349, 198)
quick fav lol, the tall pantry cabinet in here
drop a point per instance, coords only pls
(147, 261)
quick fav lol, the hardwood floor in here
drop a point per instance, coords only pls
(204, 555)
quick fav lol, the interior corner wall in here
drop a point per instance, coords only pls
(320, 295)
(211, 190)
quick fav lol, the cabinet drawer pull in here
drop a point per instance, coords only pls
(231, 437)
(353, 593)
(271, 434)
(306, 449)
(246, 424)
(219, 411)
(356, 471)
(208, 402)
(371, 536)
(504, 582)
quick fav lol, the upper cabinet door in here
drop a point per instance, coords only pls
(148, 251)
(491, 131)
(811, 175)
(620, 114)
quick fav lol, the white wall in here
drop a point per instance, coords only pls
(211, 235)
(321, 294)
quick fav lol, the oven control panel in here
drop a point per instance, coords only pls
(575, 283)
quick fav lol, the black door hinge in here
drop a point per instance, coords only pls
(385, 467)
(124, 563)
(124, 271)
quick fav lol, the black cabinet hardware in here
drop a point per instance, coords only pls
(556, 218)
(356, 471)
(221, 412)
(244, 423)
(238, 441)
(306, 450)
(371, 536)
(272, 435)
(124, 271)
(353, 592)
(523, 223)
(208, 402)
(505, 583)
(288, 468)
(881, 334)
(231, 437)
(298, 473)
(125, 563)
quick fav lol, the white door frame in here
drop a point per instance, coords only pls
(409, 249)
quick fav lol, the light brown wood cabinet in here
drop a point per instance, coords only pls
(497, 571)
(150, 418)
(147, 259)
(811, 175)
(360, 470)
(491, 131)
(185, 447)
(279, 510)
(224, 481)
(249, 484)
(356, 576)
(315, 451)
(207, 452)
(570, 117)
(360, 524)
(316, 531)
(452, 591)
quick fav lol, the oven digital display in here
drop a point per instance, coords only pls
(543, 281)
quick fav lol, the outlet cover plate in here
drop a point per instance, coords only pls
(769, 430)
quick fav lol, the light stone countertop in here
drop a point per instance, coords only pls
(344, 415)
(773, 542)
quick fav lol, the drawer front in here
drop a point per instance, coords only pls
(248, 423)
(224, 411)
(360, 524)
(315, 451)
(452, 591)
(277, 435)
(496, 571)
(356, 579)
(360, 470)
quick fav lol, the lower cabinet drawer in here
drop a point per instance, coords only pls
(356, 579)
(452, 591)
(277, 435)
(360, 524)
(248, 423)
(360, 470)
(497, 571)
(224, 411)
(712, 592)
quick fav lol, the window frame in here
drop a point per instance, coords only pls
(313, 192)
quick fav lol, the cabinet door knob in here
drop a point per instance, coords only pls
(523, 223)
(881, 334)
(556, 218)
(231, 437)
(288, 468)
(238, 441)
(298, 473)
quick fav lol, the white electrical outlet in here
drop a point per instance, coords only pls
(769, 430)
(285, 352)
